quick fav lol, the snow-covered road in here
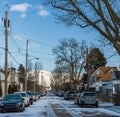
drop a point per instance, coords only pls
(52, 106)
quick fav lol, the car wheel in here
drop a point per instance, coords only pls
(2, 111)
(74, 101)
(81, 105)
(96, 105)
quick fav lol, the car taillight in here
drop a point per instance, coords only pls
(82, 96)
(67, 95)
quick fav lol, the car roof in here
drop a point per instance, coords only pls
(21, 92)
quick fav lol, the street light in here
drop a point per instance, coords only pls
(27, 70)
(33, 58)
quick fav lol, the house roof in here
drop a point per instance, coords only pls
(104, 74)
(104, 77)
(107, 69)
(92, 71)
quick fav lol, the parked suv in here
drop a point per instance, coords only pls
(88, 98)
(69, 95)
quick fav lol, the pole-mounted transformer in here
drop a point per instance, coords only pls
(6, 23)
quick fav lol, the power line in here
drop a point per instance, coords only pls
(38, 42)
(38, 52)
(10, 55)
(13, 58)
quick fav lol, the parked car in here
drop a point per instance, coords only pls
(12, 102)
(76, 99)
(61, 94)
(69, 94)
(57, 93)
(37, 95)
(30, 97)
(25, 96)
(88, 98)
(33, 95)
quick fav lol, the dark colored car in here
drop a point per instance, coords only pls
(61, 94)
(88, 98)
(69, 95)
(12, 102)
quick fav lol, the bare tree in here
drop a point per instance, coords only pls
(102, 15)
(38, 66)
(69, 54)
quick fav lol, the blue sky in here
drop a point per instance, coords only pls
(29, 20)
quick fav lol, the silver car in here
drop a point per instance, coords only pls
(88, 98)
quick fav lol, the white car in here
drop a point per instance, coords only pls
(25, 96)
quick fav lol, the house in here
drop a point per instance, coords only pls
(116, 82)
(2, 79)
(100, 77)
(101, 81)
(11, 77)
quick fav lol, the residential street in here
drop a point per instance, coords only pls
(53, 106)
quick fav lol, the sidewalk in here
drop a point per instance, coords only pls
(110, 106)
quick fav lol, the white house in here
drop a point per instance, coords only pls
(116, 82)
(100, 77)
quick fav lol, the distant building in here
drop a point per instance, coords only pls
(45, 79)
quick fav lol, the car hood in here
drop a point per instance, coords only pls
(11, 102)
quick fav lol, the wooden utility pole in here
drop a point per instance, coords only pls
(26, 78)
(35, 80)
(87, 64)
(6, 25)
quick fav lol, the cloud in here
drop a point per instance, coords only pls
(21, 8)
(17, 36)
(42, 11)
(23, 15)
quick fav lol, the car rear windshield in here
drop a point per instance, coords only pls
(89, 94)
(72, 92)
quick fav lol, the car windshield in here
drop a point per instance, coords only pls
(22, 94)
(11, 97)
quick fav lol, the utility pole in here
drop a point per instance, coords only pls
(6, 25)
(35, 80)
(26, 78)
(87, 64)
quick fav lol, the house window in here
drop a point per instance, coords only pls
(108, 92)
(97, 72)
(92, 80)
(117, 88)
